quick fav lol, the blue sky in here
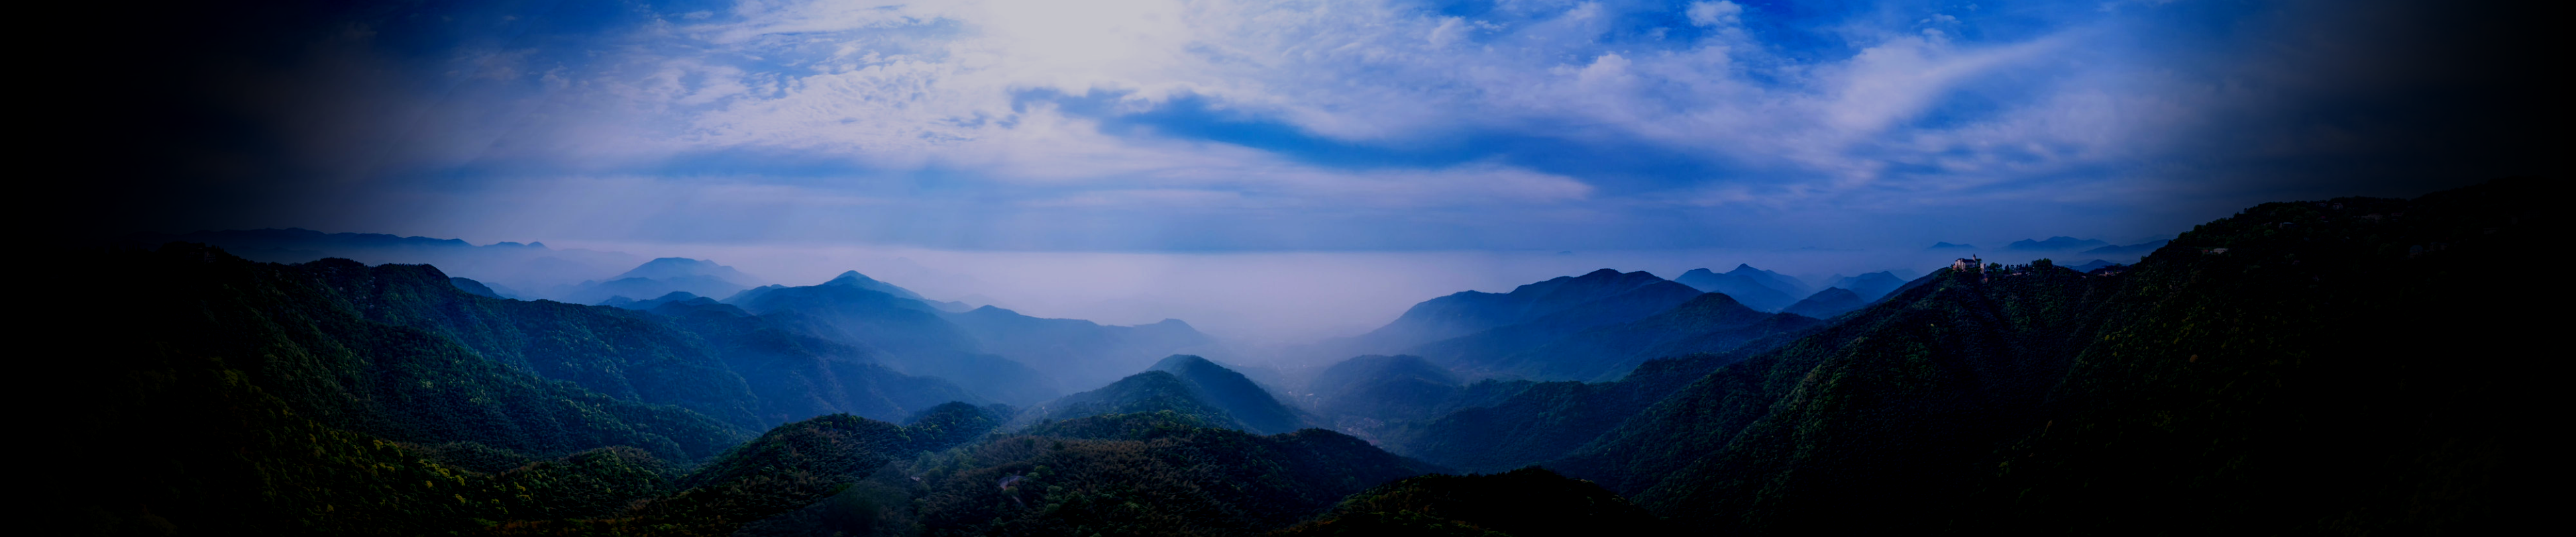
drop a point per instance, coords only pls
(1187, 126)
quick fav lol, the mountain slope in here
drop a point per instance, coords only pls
(624, 354)
(2252, 390)
(1870, 286)
(1076, 352)
(1707, 323)
(1505, 350)
(902, 333)
(240, 397)
(1468, 312)
(1189, 386)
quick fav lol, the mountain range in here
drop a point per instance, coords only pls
(2332, 366)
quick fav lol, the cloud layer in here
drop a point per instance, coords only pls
(1196, 125)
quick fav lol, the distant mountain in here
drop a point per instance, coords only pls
(1755, 288)
(660, 277)
(903, 333)
(796, 375)
(1469, 312)
(677, 268)
(2054, 244)
(1188, 385)
(1076, 352)
(1948, 246)
(1871, 286)
(1501, 350)
(681, 297)
(1708, 322)
(1827, 303)
(2133, 250)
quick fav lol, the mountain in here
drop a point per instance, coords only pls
(1189, 386)
(1826, 304)
(1948, 246)
(1707, 322)
(796, 376)
(230, 396)
(1870, 286)
(1756, 288)
(1076, 352)
(905, 334)
(2133, 250)
(1505, 350)
(1469, 312)
(1247, 403)
(1001, 354)
(661, 277)
(1529, 501)
(2090, 266)
(474, 287)
(508, 267)
(790, 467)
(2257, 389)
(1380, 387)
(2054, 244)
(1149, 474)
(682, 268)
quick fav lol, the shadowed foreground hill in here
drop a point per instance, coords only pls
(1123, 474)
(2324, 373)
(1526, 502)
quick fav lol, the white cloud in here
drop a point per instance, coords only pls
(905, 86)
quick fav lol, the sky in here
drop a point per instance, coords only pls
(1278, 127)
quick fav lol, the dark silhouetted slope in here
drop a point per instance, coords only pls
(1707, 323)
(1529, 501)
(1469, 312)
(2292, 383)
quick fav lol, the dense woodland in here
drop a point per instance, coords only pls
(2337, 366)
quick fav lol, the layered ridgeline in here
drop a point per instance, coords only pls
(1528, 501)
(1756, 288)
(994, 352)
(657, 278)
(1190, 386)
(511, 269)
(1595, 326)
(2297, 368)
